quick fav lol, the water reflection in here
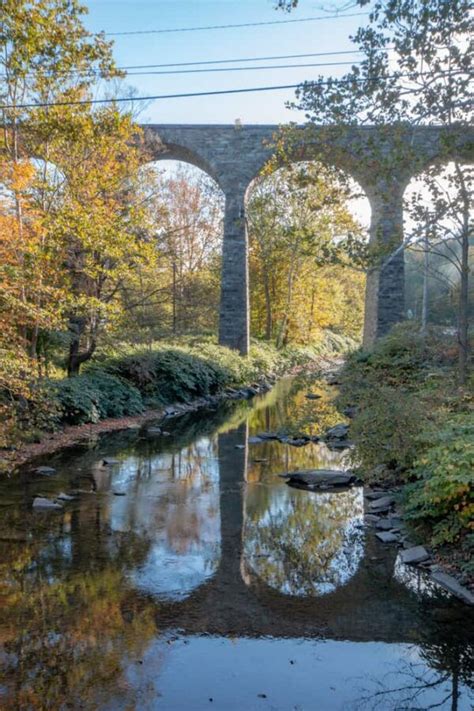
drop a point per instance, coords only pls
(303, 544)
(191, 532)
(173, 501)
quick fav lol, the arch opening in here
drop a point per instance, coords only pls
(438, 223)
(306, 223)
(181, 298)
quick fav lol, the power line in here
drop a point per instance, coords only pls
(219, 61)
(243, 59)
(241, 69)
(242, 24)
(147, 98)
(223, 69)
(79, 102)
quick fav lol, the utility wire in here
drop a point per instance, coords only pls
(243, 59)
(220, 69)
(242, 24)
(218, 61)
(79, 102)
(146, 98)
(241, 69)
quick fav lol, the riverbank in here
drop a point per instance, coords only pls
(413, 428)
(213, 376)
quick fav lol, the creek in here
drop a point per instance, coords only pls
(186, 574)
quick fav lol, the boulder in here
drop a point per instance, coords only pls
(373, 494)
(382, 504)
(319, 478)
(41, 502)
(447, 582)
(296, 441)
(337, 444)
(384, 524)
(414, 555)
(338, 431)
(65, 497)
(388, 536)
(45, 471)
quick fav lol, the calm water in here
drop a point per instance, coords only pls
(189, 576)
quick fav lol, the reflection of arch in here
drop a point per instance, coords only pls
(371, 605)
(184, 549)
(319, 533)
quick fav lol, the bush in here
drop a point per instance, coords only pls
(91, 397)
(442, 497)
(402, 358)
(168, 375)
(387, 428)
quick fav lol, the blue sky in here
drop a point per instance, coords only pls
(326, 35)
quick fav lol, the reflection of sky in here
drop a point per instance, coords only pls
(173, 499)
(290, 673)
(302, 543)
(417, 580)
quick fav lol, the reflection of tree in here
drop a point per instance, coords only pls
(291, 412)
(303, 544)
(435, 675)
(68, 630)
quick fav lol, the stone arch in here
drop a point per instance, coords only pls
(234, 154)
(173, 151)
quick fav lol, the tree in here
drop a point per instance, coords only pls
(46, 54)
(299, 227)
(100, 219)
(442, 216)
(416, 70)
(191, 237)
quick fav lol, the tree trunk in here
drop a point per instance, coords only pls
(76, 358)
(268, 307)
(463, 306)
(424, 302)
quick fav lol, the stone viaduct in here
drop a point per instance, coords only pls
(381, 159)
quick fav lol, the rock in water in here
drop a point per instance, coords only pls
(40, 502)
(415, 555)
(45, 471)
(319, 478)
(338, 432)
(65, 497)
(451, 585)
(388, 537)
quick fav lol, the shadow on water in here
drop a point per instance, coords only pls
(188, 575)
